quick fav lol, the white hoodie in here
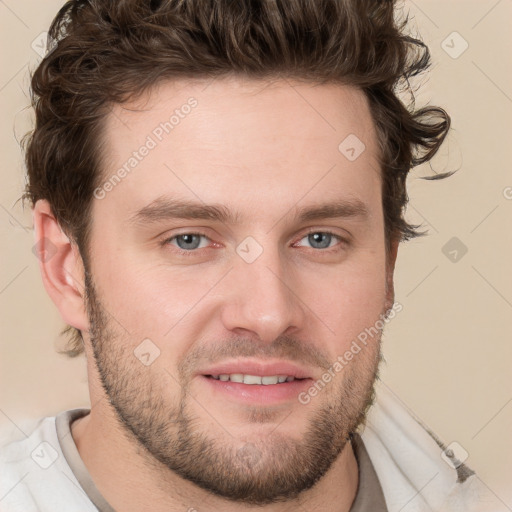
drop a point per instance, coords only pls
(416, 471)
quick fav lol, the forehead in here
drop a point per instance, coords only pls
(242, 142)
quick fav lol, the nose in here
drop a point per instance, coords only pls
(262, 300)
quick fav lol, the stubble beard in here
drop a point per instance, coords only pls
(261, 471)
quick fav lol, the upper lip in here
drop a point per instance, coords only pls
(258, 367)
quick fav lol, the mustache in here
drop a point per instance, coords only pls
(284, 347)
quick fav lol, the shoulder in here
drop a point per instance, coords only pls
(416, 470)
(34, 475)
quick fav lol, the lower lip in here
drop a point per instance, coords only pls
(260, 393)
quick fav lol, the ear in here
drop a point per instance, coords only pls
(61, 266)
(390, 270)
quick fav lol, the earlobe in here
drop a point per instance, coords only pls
(61, 266)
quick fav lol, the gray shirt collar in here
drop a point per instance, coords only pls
(369, 495)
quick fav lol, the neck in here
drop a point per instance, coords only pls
(129, 480)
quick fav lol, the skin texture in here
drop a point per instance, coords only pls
(162, 433)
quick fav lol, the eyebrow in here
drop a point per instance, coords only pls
(165, 208)
(347, 208)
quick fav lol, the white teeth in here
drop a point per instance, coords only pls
(253, 379)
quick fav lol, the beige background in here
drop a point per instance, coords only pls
(448, 352)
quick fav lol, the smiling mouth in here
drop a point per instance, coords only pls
(265, 380)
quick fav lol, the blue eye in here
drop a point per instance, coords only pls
(188, 241)
(188, 244)
(322, 239)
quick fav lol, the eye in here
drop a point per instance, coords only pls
(188, 241)
(322, 239)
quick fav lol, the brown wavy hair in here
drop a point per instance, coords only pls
(109, 51)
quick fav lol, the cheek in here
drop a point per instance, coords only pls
(132, 299)
(168, 305)
(144, 301)
(348, 300)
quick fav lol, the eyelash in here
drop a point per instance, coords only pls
(342, 241)
(183, 252)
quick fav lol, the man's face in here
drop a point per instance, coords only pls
(180, 301)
